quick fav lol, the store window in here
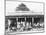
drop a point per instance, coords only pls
(28, 19)
(21, 19)
(36, 20)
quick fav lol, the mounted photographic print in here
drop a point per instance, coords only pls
(24, 17)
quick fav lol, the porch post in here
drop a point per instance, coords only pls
(32, 21)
